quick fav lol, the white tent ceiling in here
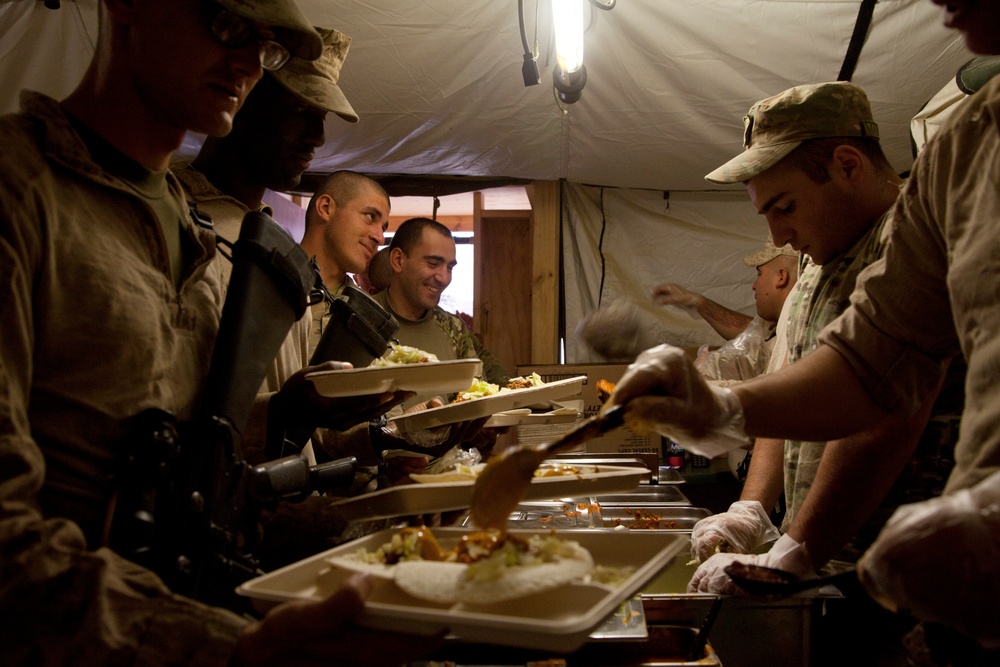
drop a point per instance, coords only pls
(438, 83)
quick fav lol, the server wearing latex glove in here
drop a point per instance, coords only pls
(813, 166)
(785, 554)
(666, 394)
(741, 529)
(930, 299)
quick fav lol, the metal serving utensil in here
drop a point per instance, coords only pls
(504, 481)
(760, 580)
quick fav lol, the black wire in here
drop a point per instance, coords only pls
(520, 20)
(600, 250)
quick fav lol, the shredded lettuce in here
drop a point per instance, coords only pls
(478, 389)
(404, 354)
(539, 549)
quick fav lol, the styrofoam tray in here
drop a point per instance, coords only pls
(525, 417)
(478, 408)
(410, 499)
(558, 620)
(444, 377)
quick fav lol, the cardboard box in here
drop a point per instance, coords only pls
(623, 440)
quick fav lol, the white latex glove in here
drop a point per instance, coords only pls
(666, 394)
(940, 560)
(786, 554)
(741, 529)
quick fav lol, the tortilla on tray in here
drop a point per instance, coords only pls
(486, 568)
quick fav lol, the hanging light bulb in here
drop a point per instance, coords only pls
(569, 75)
(567, 16)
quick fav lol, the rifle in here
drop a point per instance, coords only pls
(189, 504)
(357, 319)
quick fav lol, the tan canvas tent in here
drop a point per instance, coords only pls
(439, 89)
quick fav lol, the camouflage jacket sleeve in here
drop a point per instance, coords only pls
(468, 346)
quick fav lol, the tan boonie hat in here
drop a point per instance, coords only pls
(315, 81)
(295, 32)
(767, 253)
(775, 127)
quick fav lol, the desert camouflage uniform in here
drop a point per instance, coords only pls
(457, 342)
(822, 294)
(467, 346)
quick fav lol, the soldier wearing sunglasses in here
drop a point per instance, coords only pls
(109, 305)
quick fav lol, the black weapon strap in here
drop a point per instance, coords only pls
(861, 26)
(204, 220)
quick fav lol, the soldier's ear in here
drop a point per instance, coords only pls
(396, 256)
(782, 278)
(326, 207)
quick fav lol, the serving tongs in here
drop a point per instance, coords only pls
(504, 481)
(771, 582)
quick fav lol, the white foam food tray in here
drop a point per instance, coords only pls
(559, 620)
(487, 406)
(423, 498)
(433, 377)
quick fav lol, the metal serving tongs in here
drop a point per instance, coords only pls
(504, 481)
(770, 582)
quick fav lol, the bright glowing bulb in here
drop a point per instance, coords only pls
(567, 16)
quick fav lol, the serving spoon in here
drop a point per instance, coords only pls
(504, 481)
(760, 580)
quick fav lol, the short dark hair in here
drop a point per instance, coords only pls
(343, 186)
(410, 232)
(813, 155)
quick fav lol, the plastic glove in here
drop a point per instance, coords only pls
(741, 529)
(786, 554)
(940, 560)
(667, 395)
(675, 295)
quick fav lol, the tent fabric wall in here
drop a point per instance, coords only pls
(44, 50)
(636, 239)
(438, 86)
(438, 83)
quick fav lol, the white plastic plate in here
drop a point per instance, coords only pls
(525, 417)
(434, 377)
(424, 498)
(478, 408)
(559, 619)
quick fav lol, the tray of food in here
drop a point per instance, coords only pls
(588, 515)
(530, 589)
(552, 480)
(479, 404)
(432, 377)
(655, 495)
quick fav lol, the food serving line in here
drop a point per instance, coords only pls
(627, 510)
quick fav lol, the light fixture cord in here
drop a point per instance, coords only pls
(600, 250)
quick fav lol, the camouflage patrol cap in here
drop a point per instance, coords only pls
(315, 81)
(767, 253)
(775, 127)
(295, 32)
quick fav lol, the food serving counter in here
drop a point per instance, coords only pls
(736, 631)
(658, 624)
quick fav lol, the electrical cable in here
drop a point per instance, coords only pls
(600, 250)
(529, 68)
(520, 20)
